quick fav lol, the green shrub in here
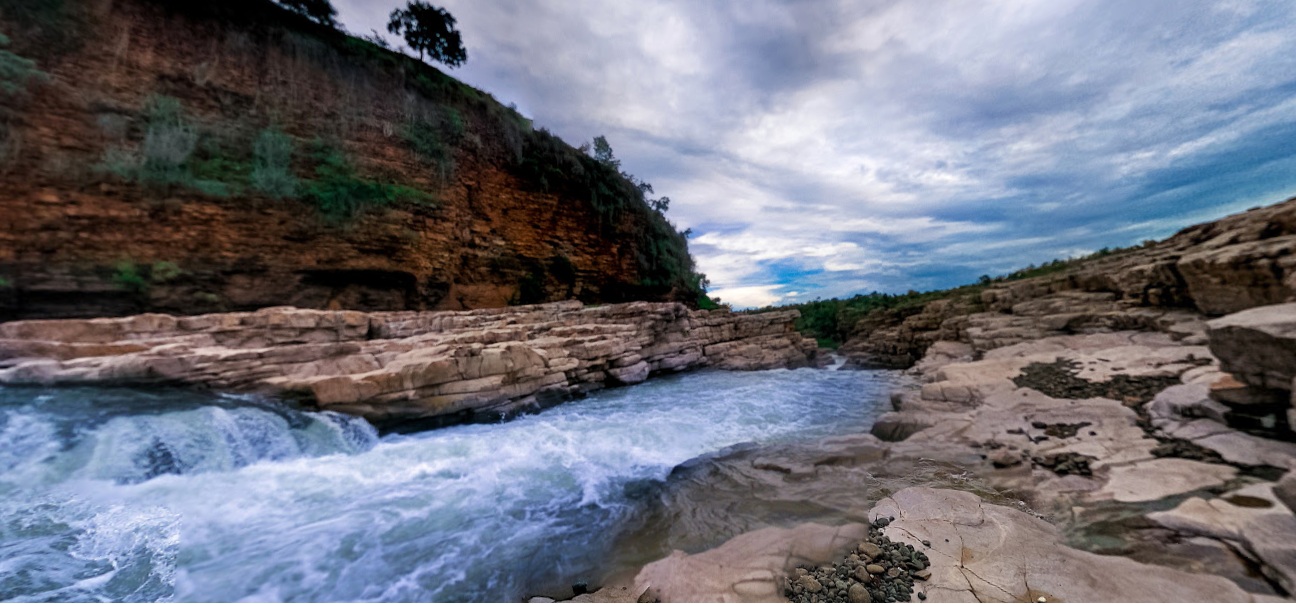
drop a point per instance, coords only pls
(16, 71)
(126, 275)
(272, 165)
(163, 157)
(168, 143)
(164, 271)
(5, 283)
(433, 141)
(339, 192)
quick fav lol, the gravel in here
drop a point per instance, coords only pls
(877, 570)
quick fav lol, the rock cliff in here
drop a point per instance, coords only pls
(465, 205)
(397, 367)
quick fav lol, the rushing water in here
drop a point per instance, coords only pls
(121, 494)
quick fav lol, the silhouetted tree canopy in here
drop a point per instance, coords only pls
(429, 29)
(320, 11)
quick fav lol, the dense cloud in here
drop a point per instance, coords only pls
(824, 149)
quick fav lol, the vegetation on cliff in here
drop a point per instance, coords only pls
(203, 127)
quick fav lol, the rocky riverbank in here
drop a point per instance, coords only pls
(397, 367)
(1099, 434)
(1128, 465)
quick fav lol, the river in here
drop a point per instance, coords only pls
(146, 495)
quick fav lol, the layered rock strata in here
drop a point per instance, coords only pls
(1132, 440)
(1221, 267)
(392, 367)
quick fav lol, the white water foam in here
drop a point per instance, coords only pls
(294, 506)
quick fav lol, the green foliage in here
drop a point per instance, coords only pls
(168, 143)
(339, 192)
(126, 275)
(16, 72)
(220, 169)
(5, 283)
(433, 140)
(831, 321)
(429, 29)
(620, 208)
(164, 271)
(319, 11)
(603, 153)
(272, 165)
(163, 157)
(705, 302)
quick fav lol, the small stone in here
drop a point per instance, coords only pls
(923, 574)
(858, 593)
(875, 569)
(926, 543)
(862, 575)
(810, 584)
(580, 587)
(1038, 425)
(893, 572)
(870, 550)
(1041, 600)
(800, 572)
(922, 596)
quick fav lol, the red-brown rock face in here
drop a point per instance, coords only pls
(78, 241)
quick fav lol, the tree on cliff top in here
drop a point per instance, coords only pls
(429, 29)
(319, 11)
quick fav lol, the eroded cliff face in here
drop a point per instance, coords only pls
(1232, 264)
(399, 367)
(77, 240)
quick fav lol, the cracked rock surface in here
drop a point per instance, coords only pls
(982, 552)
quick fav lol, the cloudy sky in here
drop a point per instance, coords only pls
(828, 148)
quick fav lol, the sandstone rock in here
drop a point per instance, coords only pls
(1159, 478)
(1258, 346)
(1250, 516)
(748, 568)
(984, 552)
(397, 366)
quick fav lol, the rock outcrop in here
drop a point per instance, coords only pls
(1226, 266)
(393, 367)
(979, 552)
(80, 236)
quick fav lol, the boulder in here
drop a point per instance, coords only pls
(1258, 346)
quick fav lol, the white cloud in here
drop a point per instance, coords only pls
(824, 146)
(752, 296)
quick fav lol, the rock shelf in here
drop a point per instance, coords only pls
(393, 367)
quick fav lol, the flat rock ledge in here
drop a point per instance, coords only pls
(979, 552)
(393, 367)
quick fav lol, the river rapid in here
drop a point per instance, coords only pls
(147, 495)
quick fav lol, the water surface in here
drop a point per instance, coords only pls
(124, 494)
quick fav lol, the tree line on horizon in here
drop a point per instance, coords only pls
(427, 29)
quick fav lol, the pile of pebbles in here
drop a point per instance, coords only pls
(1060, 379)
(1064, 464)
(878, 570)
